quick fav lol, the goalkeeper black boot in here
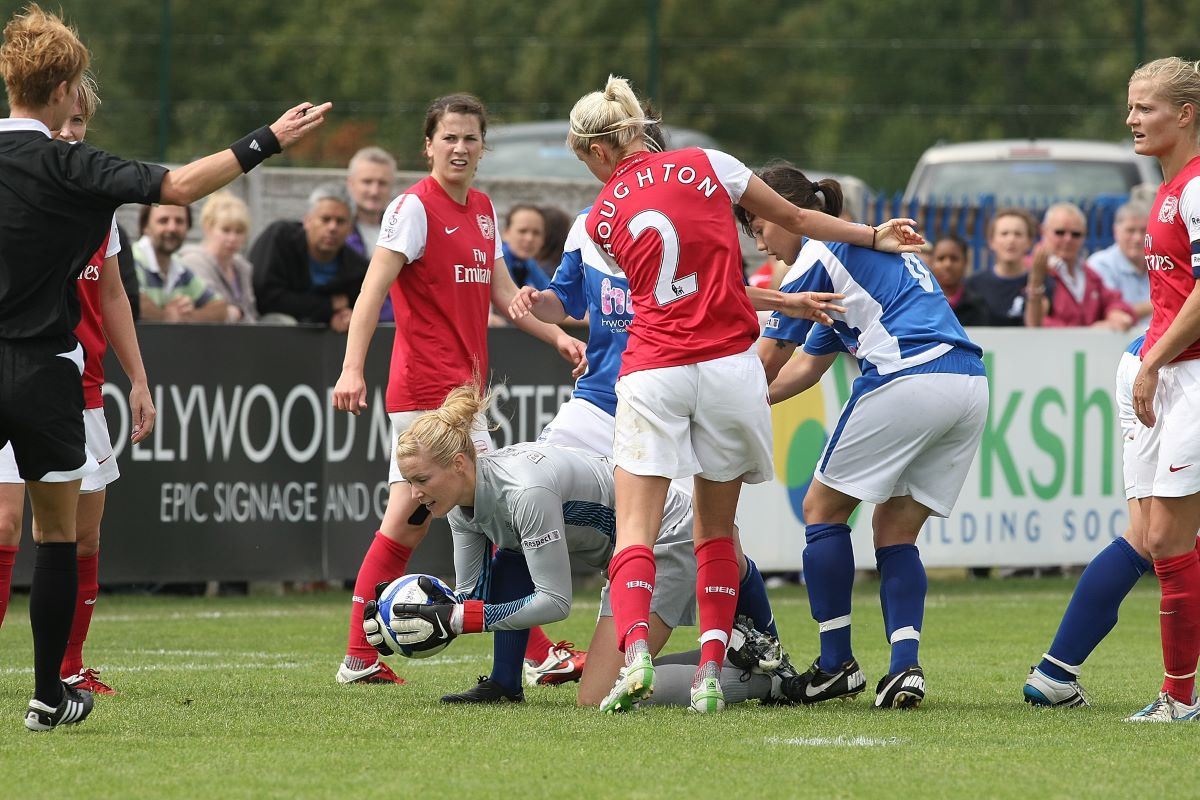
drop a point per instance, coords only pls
(486, 691)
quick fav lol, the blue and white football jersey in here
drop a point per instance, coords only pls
(586, 282)
(896, 320)
(1135, 347)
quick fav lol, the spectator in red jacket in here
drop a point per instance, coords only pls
(1079, 296)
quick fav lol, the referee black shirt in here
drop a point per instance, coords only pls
(56, 206)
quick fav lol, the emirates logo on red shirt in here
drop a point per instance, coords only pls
(1170, 205)
(486, 226)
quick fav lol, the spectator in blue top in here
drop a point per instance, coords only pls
(524, 233)
(304, 271)
(1122, 266)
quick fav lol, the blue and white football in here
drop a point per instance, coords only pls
(406, 590)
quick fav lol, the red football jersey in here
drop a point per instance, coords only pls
(442, 295)
(90, 330)
(665, 220)
(1173, 252)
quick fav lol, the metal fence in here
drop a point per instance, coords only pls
(968, 218)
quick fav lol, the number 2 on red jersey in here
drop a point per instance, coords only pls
(667, 288)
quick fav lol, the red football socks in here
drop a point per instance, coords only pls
(539, 645)
(716, 596)
(386, 560)
(8, 557)
(631, 585)
(1179, 619)
(85, 604)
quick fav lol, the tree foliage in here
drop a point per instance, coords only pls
(851, 86)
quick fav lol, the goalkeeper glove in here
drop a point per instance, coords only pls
(440, 620)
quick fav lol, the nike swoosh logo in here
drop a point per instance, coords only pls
(442, 628)
(106, 458)
(451, 230)
(91, 602)
(1165, 613)
(1176, 469)
(820, 687)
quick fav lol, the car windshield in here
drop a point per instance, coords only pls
(539, 150)
(547, 159)
(1011, 181)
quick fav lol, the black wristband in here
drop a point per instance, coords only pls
(255, 148)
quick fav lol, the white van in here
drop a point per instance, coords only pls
(1023, 170)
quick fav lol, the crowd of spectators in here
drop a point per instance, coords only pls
(310, 270)
(306, 271)
(1040, 275)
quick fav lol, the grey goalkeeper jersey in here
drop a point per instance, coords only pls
(555, 505)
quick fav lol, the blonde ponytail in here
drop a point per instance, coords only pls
(613, 117)
(446, 431)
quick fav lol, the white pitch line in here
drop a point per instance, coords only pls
(183, 667)
(266, 613)
(833, 741)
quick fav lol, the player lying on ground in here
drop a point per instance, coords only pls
(905, 439)
(543, 506)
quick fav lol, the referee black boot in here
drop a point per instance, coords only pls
(75, 706)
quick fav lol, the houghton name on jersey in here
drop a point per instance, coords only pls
(664, 219)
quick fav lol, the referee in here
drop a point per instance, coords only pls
(56, 204)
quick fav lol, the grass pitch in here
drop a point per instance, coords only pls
(235, 698)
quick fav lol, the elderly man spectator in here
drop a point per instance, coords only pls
(169, 290)
(1080, 297)
(370, 180)
(1122, 266)
(304, 271)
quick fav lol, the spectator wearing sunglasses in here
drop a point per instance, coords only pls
(1080, 297)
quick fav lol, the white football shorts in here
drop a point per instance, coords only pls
(915, 435)
(709, 419)
(1169, 453)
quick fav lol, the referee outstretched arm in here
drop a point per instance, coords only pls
(189, 183)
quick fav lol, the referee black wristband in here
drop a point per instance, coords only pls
(255, 148)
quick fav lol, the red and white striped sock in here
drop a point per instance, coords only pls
(630, 587)
(716, 596)
(1179, 620)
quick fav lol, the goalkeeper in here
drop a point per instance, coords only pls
(543, 507)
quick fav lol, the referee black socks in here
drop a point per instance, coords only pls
(51, 610)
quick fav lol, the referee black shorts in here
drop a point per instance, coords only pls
(41, 408)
